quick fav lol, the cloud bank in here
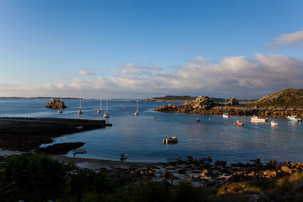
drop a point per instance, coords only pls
(233, 76)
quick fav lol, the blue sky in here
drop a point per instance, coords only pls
(141, 48)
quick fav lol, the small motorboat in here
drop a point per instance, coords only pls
(80, 151)
(294, 118)
(255, 118)
(197, 120)
(239, 123)
(273, 123)
(170, 140)
(153, 117)
(123, 156)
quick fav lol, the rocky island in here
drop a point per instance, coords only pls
(280, 104)
(56, 104)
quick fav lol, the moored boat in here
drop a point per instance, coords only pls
(273, 123)
(106, 114)
(294, 118)
(80, 111)
(225, 115)
(100, 109)
(172, 139)
(255, 118)
(137, 111)
(239, 123)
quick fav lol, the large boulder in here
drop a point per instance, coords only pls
(56, 104)
(232, 101)
(201, 102)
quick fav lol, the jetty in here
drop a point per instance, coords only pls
(28, 133)
(32, 125)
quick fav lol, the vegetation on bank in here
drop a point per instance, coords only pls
(284, 98)
(37, 177)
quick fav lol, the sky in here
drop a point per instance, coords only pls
(150, 48)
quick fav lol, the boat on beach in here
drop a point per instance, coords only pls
(79, 151)
(123, 156)
(170, 140)
(255, 118)
(294, 118)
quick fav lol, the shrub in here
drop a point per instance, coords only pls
(32, 177)
(187, 192)
(148, 192)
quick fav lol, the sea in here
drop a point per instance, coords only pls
(141, 136)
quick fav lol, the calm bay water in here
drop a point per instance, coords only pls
(141, 137)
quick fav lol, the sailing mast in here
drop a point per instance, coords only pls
(137, 112)
(106, 114)
(100, 110)
(80, 111)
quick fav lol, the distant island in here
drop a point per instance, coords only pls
(176, 98)
(280, 104)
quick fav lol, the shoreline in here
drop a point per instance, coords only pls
(200, 172)
(274, 112)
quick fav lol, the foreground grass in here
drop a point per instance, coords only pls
(37, 177)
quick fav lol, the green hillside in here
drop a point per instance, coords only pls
(284, 98)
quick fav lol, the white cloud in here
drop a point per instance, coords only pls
(288, 39)
(233, 76)
(87, 71)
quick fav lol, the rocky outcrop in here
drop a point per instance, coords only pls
(204, 105)
(56, 104)
(232, 101)
(198, 105)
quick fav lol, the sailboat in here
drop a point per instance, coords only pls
(80, 111)
(225, 115)
(137, 112)
(60, 110)
(106, 114)
(100, 110)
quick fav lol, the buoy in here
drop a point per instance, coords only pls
(251, 132)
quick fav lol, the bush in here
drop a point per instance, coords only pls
(187, 192)
(32, 177)
(148, 192)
